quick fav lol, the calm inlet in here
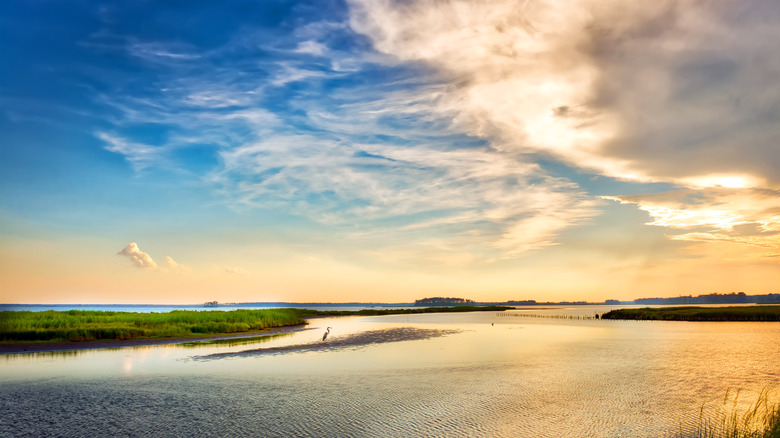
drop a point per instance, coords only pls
(463, 374)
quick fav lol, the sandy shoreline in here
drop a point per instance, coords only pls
(90, 345)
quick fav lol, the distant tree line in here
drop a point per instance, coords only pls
(442, 301)
(731, 298)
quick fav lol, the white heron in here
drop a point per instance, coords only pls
(326, 333)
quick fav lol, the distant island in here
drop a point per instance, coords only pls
(440, 301)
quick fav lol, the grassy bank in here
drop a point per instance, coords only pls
(89, 325)
(737, 313)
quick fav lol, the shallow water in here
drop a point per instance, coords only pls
(464, 374)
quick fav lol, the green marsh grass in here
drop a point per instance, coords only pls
(733, 313)
(89, 325)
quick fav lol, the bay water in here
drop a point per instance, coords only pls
(536, 372)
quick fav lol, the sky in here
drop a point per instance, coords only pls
(388, 150)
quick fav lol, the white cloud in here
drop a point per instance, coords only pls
(137, 257)
(161, 52)
(289, 73)
(490, 197)
(682, 92)
(662, 91)
(140, 156)
(516, 71)
(741, 216)
(215, 99)
(471, 200)
(144, 260)
(312, 47)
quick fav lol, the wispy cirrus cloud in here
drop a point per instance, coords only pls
(162, 52)
(479, 197)
(364, 157)
(436, 125)
(140, 156)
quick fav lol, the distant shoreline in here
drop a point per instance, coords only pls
(735, 298)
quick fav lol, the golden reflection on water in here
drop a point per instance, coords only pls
(163, 349)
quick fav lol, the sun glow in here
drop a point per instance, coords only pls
(726, 181)
(664, 216)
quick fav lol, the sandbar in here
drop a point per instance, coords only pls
(351, 341)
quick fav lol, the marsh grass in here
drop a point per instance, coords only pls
(90, 325)
(761, 419)
(733, 313)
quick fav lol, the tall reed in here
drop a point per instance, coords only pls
(760, 419)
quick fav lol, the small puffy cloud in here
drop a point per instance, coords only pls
(233, 270)
(138, 257)
(144, 260)
(170, 263)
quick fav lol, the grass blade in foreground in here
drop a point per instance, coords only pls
(760, 420)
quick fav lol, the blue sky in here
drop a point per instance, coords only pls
(374, 150)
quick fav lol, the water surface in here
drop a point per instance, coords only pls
(463, 374)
